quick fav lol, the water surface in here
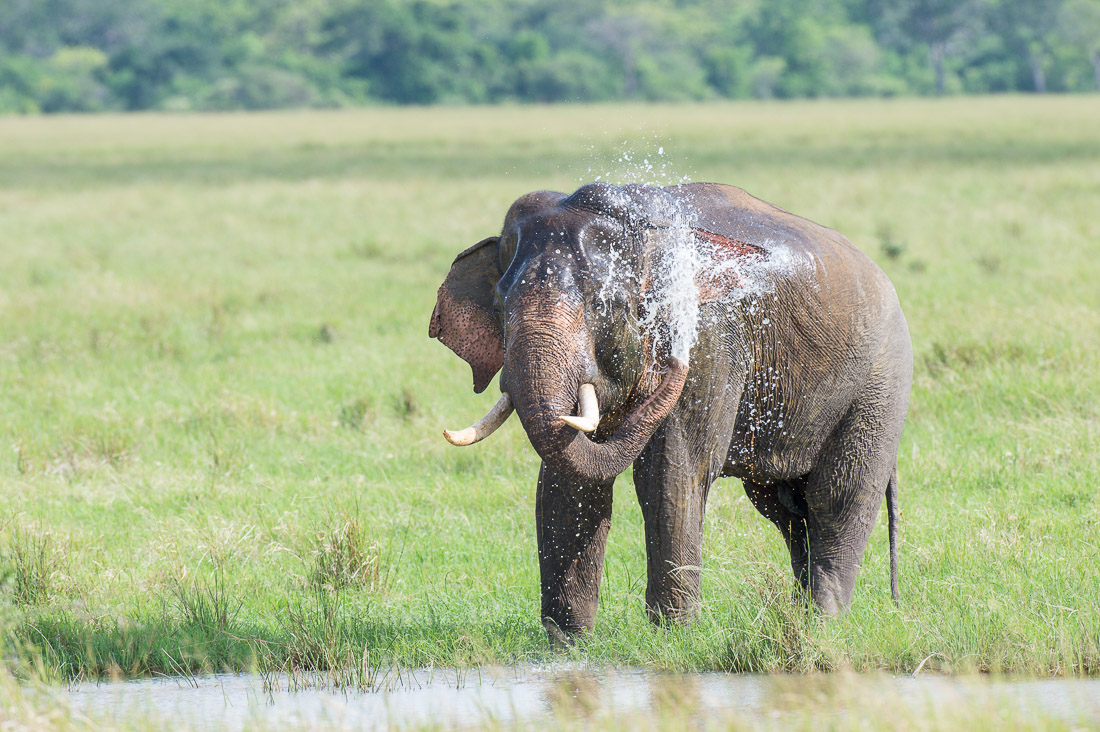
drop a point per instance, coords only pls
(533, 694)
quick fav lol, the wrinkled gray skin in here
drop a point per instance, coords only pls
(799, 388)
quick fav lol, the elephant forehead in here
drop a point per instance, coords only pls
(565, 232)
(555, 224)
(605, 198)
(626, 202)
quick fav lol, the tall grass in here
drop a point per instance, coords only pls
(213, 354)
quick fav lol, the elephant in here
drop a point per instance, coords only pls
(694, 332)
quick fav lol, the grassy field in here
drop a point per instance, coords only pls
(220, 411)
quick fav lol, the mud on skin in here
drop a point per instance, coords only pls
(723, 337)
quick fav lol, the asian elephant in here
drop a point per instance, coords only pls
(693, 332)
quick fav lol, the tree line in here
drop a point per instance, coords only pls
(93, 55)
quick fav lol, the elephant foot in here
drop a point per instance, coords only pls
(830, 596)
(661, 617)
(827, 605)
(682, 611)
(560, 639)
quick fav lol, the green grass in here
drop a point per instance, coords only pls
(220, 412)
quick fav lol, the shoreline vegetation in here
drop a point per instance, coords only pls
(220, 425)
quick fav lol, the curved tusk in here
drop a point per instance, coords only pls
(577, 423)
(589, 418)
(485, 426)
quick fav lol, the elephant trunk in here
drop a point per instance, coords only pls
(545, 376)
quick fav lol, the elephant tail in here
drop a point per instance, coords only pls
(892, 514)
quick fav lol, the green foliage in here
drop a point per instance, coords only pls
(72, 79)
(77, 56)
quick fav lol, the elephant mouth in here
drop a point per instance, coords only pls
(588, 411)
(562, 440)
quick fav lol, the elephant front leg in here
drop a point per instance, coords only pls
(572, 525)
(672, 494)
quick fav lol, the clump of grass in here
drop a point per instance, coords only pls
(892, 249)
(215, 329)
(946, 355)
(209, 605)
(353, 415)
(317, 635)
(24, 463)
(30, 564)
(109, 447)
(343, 558)
(77, 456)
(989, 263)
(781, 635)
(407, 404)
(321, 646)
(320, 649)
(367, 249)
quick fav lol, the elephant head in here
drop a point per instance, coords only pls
(563, 304)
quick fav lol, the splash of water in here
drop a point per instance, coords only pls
(670, 305)
(680, 290)
(644, 162)
(671, 302)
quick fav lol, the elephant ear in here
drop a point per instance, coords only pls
(463, 318)
(721, 274)
(723, 261)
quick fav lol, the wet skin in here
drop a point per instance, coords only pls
(797, 381)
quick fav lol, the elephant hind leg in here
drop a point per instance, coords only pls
(784, 505)
(844, 493)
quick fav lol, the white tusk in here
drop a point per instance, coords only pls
(589, 418)
(577, 423)
(485, 426)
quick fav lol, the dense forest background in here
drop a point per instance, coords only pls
(91, 55)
